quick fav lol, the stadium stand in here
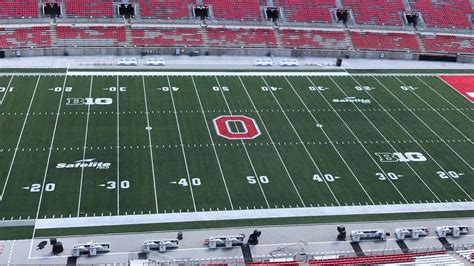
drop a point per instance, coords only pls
(294, 38)
(91, 35)
(35, 36)
(306, 11)
(381, 259)
(385, 41)
(236, 37)
(376, 12)
(236, 9)
(467, 254)
(154, 36)
(19, 9)
(448, 43)
(445, 13)
(270, 263)
(165, 9)
(89, 8)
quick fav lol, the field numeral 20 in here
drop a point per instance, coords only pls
(124, 184)
(253, 180)
(194, 181)
(449, 174)
(37, 187)
(3, 89)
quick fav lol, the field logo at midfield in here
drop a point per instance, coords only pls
(395, 157)
(223, 127)
(89, 101)
(86, 163)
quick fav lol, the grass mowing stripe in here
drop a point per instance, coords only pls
(213, 144)
(330, 141)
(181, 143)
(362, 145)
(243, 144)
(273, 143)
(19, 140)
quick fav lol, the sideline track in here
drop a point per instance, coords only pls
(250, 214)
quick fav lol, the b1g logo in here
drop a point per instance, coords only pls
(89, 101)
(394, 157)
(236, 127)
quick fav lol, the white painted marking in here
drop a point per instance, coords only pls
(6, 90)
(118, 147)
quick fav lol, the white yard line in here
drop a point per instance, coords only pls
(439, 94)
(245, 147)
(182, 145)
(84, 150)
(434, 160)
(273, 143)
(19, 140)
(150, 145)
(330, 141)
(117, 185)
(438, 113)
(213, 144)
(10, 254)
(357, 138)
(6, 90)
(383, 136)
(48, 160)
(251, 214)
(302, 142)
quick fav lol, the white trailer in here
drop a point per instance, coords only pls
(160, 245)
(413, 232)
(224, 241)
(453, 230)
(90, 249)
(371, 234)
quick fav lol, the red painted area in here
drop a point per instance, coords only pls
(223, 130)
(462, 84)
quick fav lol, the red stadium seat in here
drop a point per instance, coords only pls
(306, 11)
(292, 38)
(19, 8)
(236, 9)
(385, 41)
(91, 35)
(445, 13)
(89, 8)
(377, 12)
(236, 37)
(37, 36)
(164, 9)
(154, 36)
(448, 43)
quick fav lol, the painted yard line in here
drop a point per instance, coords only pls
(357, 138)
(436, 134)
(383, 136)
(48, 161)
(182, 145)
(245, 147)
(273, 143)
(84, 150)
(442, 168)
(439, 94)
(19, 140)
(117, 185)
(150, 145)
(6, 90)
(438, 113)
(330, 141)
(212, 144)
(302, 143)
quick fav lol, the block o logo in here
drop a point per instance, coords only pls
(248, 127)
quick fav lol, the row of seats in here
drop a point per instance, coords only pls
(381, 259)
(436, 13)
(36, 36)
(68, 35)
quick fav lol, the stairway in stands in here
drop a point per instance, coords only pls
(128, 32)
(54, 34)
(420, 41)
(278, 37)
(205, 35)
(349, 38)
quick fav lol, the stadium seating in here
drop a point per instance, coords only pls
(164, 9)
(271, 263)
(384, 41)
(89, 8)
(236, 37)
(37, 36)
(382, 259)
(445, 13)
(378, 12)
(18, 8)
(448, 43)
(91, 35)
(154, 36)
(236, 9)
(306, 11)
(292, 38)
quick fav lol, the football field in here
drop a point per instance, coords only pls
(91, 144)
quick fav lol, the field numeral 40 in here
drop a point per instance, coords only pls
(194, 181)
(253, 180)
(3, 89)
(327, 177)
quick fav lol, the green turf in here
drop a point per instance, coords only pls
(293, 163)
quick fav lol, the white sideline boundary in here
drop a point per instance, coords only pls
(204, 73)
(250, 214)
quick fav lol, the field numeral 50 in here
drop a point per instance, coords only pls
(253, 180)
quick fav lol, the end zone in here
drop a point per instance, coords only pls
(462, 84)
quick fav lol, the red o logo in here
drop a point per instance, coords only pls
(227, 126)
